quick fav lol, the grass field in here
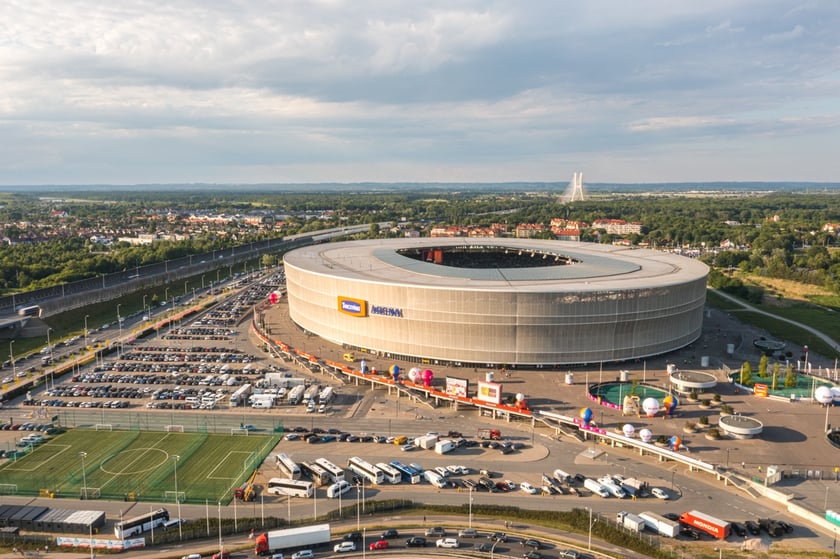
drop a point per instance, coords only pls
(139, 465)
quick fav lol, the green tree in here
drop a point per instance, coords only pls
(746, 374)
(762, 366)
(790, 376)
(776, 369)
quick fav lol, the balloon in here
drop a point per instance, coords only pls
(520, 396)
(428, 375)
(272, 298)
(363, 365)
(645, 435)
(650, 406)
(675, 443)
(413, 373)
(395, 372)
(823, 395)
(522, 403)
(835, 393)
(586, 416)
(628, 430)
(670, 404)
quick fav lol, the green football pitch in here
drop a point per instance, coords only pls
(137, 465)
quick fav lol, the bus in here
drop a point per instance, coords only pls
(288, 466)
(409, 474)
(316, 473)
(336, 473)
(366, 470)
(390, 473)
(140, 524)
(290, 487)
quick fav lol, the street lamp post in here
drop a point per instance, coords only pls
(83, 455)
(202, 281)
(86, 330)
(49, 344)
(589, 544)
(185, 287)
(175, 459)
(471, 501)
(12, 359)
(358, 505)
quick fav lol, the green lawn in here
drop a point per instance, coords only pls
(139, 465)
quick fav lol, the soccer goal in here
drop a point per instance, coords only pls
(237, 431)
(175, 497)
(8, 488)
(104, 427)
(89, 493)
(174, 428)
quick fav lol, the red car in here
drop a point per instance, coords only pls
(381, 544)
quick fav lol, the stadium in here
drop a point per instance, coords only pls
(496, 302)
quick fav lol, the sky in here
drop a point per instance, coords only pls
(234, 91)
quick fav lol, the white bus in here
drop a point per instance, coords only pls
(140, 524)
(391, 474)
(290, 487)
(366, 470)
(336, 473)
(288, 466)
(316, 473)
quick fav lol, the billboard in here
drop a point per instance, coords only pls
(458, 387)
(490, 392)
(352, 307)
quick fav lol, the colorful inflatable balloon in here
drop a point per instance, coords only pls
(669, 404)
(428, 375)
(650, 406)
(823, 395)
(363, 366)
(395, 372)
(628, 430)
(645, 435)
(413, 374)
(586, 416)
(675, 443)
(521, 402)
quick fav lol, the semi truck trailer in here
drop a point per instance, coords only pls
(660, 524)
(280, 540)
(707, 523)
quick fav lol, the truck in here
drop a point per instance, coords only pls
(311, 393)
(635, 487)
(630, 521)
(291, 538)
(426, 442)
(562, 476)
(596, 487)
(326, 395)
(707, 523)
(240, 396)
(492, 434)
(444, 445)
(296, 394)
(261, 400)
(247, 492)
(660, 524)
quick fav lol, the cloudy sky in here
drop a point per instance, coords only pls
(157, 91)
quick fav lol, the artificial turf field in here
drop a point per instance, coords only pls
(137, 465)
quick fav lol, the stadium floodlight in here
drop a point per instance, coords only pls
(83, 455)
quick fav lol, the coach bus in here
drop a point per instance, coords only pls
(288, 466)
(290, 487)
(390, 473)
(366, 470)
(316, 473)
(140, 524)
(409, 474)
(336, 473)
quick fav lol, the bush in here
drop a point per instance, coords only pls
(726, 408)
(689, 426)
(705, 402)
(704, 420)
(716, 398)
(713, 433)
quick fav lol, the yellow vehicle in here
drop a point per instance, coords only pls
(349, 357)
(401, 440)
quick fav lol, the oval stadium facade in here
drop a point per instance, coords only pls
(491, 301)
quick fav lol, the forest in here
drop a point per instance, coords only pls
(48, 240)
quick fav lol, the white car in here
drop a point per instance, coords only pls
(344, 547)
(511, 484)
(442, 471)
(528, 488)
(446, 542)
(454, 469)
(660, 494)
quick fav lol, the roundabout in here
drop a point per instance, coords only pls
(740, 427)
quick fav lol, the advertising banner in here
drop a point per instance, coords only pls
(489, 392)
(458, 387)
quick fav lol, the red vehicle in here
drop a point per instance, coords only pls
(492, 434)
(381, 544)
(709, 524)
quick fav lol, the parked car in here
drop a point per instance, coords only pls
(468, 533)
(435, 531)
(533, 554)
(222, 555)
(660, 493)
(528, 488)
(415, 541)
(570, 554)
(752, 527)
(381, 544)
(447, 542)
(739, 529)
(345, 547)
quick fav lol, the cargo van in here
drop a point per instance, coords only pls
(596, 488)
(336, 489)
